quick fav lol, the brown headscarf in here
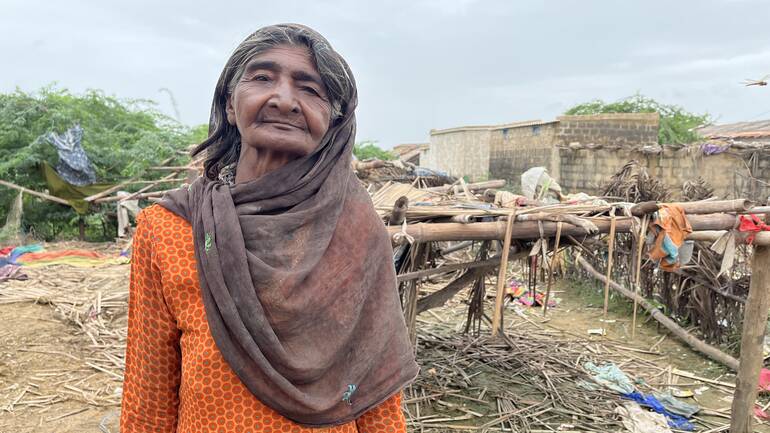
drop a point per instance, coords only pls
(298, 283)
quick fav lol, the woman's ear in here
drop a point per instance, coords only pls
(230, 111)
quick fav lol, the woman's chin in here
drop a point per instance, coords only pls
(292, 149)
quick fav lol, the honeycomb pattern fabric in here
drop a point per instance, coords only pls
(176, 379)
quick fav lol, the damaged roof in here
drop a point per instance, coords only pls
(756, 129)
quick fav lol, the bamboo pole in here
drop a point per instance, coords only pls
(117, 187)
(497, 318)
(752, 336)
(638, 269)
(550, 268)
(494, 261)
(702, 347)
(611, 250)
(35, 193)
(696, 207)
(134, 195)
(425, 232)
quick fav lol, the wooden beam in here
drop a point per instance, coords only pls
(427, 232)
(492, 262)
(35, 193)
(752, 337)
(439, 297)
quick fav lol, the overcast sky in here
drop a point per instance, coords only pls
(419, 64)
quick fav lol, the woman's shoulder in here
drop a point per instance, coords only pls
(161, 221)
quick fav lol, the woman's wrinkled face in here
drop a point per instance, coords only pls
(280, 102)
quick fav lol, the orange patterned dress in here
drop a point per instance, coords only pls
(176, 379)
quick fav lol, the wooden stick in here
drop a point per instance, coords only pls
(117, 187)
(638, 269)
(439, 298)
(702, 347)
(611, 250)
(490, 262)
(146, 188)
(550, 269)
(497, 318)
(752, 336)
(35, 193)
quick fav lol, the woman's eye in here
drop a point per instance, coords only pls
(311, 90)
(261, 77)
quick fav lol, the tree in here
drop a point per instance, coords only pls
(122, 138)
(369, 149)
(677, 126)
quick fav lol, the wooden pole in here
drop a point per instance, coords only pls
(611, 250)
(497, 318)
(702, 347)
(135, 194)
(492, 262)
(425, 232)
(117, 187)
(752, 338)
(550, 269)
(638, 269)
(33, 192)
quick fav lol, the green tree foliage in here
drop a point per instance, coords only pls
(369, 149)
(122, 138)
(677, 126)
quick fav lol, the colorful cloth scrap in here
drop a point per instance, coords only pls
(753, 225)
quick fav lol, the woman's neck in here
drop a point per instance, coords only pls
(253, 163)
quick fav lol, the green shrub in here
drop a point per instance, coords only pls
(122, 138)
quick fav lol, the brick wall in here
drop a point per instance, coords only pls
(625, 129)
(590, 170)
(516, 148)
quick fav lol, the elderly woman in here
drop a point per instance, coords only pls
(263, 296)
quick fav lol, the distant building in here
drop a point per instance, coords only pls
(410, 152)
(506, 151)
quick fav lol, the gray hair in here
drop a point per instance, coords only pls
(223, 144)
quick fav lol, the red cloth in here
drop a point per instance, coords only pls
(752, 224)
(764, 380)
(5, 251)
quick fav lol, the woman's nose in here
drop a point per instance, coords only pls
(284, 98)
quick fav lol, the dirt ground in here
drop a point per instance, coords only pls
(40, 352)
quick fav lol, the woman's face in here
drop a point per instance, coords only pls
(280, 103)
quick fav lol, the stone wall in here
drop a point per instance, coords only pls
(589, 170)
(516, 148)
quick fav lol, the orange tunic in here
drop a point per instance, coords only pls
(176, 379)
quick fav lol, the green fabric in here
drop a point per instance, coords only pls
(74, 195)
